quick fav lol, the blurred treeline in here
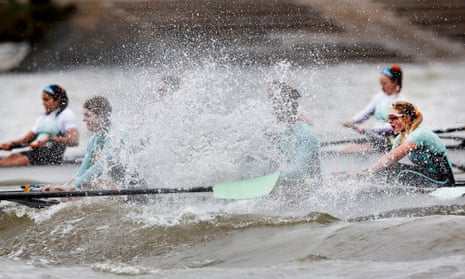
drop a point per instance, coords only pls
(30, 20)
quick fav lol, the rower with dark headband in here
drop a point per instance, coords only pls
(52, 133)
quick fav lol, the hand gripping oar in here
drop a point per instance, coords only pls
(240, 189)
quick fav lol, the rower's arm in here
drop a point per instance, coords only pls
(28, 138)
(71, 138)
(393, 156)
(366, 112)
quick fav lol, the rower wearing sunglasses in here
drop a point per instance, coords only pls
(428, 155)
(52, 133)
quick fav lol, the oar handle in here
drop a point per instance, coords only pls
(94, 193)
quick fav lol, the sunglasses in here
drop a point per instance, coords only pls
(394, 117)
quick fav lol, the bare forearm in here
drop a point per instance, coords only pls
(384, 162)
(71, 138)
(29, 137)
(393, 156)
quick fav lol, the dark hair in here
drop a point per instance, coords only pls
(100, 106)
(284, 98)
(57, 92)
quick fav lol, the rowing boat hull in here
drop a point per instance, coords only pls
(52, 174)
(331, 162)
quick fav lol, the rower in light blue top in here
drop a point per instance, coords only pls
(98, 167)
(298, 142)
(378, 135)
(302, 148)
(97, 159)
(429, 146)
(431, 165)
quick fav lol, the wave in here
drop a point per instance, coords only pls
(85, 231)
(89, 232)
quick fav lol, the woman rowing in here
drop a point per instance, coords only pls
(378, 135)
(431, 165)
(99, 166)
(51, 134)
(298, 142)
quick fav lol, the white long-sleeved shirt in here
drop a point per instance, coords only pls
(379, 107)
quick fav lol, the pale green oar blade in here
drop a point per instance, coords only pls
(246, 188)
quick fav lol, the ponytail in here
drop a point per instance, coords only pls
(416, 117)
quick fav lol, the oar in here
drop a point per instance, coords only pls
(449, 130)
(454, 192)
(459, 167)
(452, 138)
(240, 189)
(455, 147)
(36, 203)
(357, 140)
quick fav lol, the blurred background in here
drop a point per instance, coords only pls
(56, 34)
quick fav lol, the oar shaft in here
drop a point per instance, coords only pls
(460, 167)
(94, 193)
(359, 140)
(452, 138)
(449, 130)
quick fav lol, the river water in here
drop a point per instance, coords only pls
(208, 131)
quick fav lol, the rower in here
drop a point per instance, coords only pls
(52, 133)
(380, 134)
(99, 167)
(298, 142)
(431, 165)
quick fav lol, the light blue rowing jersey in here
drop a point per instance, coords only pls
(53, 124)
(99, 158)
(302, 149)
(383, 106)
(48, 127)
(430, 148)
